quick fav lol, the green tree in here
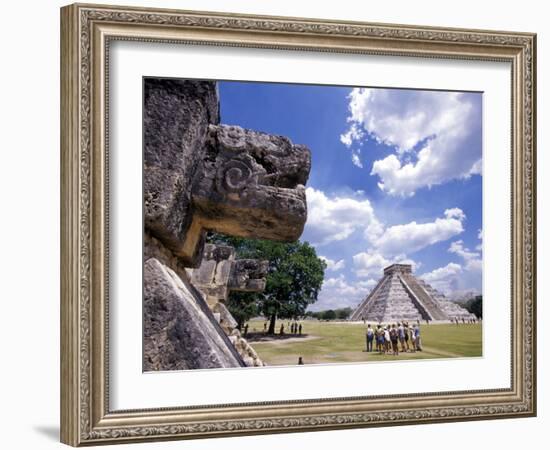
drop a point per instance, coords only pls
(343, 313)
(475, 306)
(294, 278)
(243, 306)
(329, 314)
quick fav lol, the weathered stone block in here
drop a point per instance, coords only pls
(204, 274)
(223, 271)
(227, 322)
(177, 114)
(248, 275)
(220, 273)
(180, 331)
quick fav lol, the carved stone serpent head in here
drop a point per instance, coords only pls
(252, 184)
(200, 175)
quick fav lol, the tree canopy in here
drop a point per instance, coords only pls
(331, 314)
(475, 306)
(294, 279)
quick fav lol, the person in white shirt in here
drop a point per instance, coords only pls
(387, 344)
(417, 340)
(412, 339)
(370, 337)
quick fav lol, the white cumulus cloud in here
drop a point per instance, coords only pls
(372, 263)
(369, 264)
(437, 128)
(333, 265)
(335, 218)
(472, 260)
(445, 279)
(356, 160)
(338, 292)
(479, 246)
(354, 133)
(454, 278)
(412, 236)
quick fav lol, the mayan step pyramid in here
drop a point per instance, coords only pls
(400, 296)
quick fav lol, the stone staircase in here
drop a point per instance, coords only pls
(451, 309)
(427, 303)
(361, 312)
(391, 303)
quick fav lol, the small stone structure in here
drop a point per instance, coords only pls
(200, 175)
(219, 274)
(400, 296)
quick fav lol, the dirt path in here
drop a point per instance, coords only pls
(279, 341)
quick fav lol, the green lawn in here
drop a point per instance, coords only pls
(332, 342)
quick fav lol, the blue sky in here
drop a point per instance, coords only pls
(395, 177)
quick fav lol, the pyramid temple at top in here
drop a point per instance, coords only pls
(400, 296)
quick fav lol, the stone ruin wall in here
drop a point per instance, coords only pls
(219, 274)
(200, 175)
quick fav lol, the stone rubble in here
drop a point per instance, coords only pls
(219, 274)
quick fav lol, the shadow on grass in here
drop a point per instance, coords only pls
(263, 337)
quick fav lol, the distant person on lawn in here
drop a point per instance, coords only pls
(394, 338)
(406, 327)
(417, 340)
(380, 339)
(387, 344)
(370, 337)
(412, 338)
(401, 333)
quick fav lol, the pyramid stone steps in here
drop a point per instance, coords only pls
(361, 309)
(400, 296)
(450, 308)
(430, 304)
(391, 302)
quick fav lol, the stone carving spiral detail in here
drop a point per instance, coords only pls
(234, 176)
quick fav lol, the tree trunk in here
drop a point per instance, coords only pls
(271, 329)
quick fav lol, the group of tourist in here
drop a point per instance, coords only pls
(468, 320)
(389, 338)
(294, 327)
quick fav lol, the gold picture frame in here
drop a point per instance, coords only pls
(86, 31)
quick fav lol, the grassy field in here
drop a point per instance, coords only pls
(332, 342)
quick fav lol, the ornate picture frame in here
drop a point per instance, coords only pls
(86, 34)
